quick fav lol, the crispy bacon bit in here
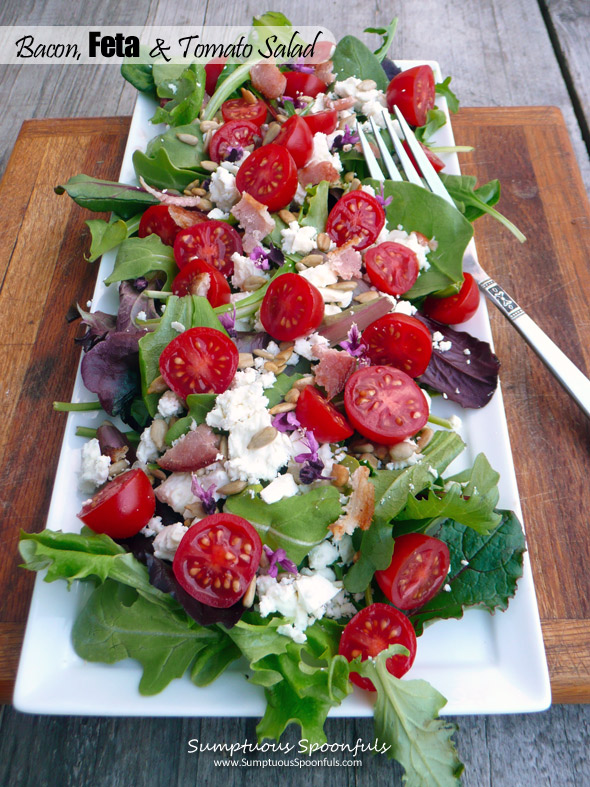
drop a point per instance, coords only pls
(195, 450)
(171, 199)
(315, 172)
(360, 507)
(342, 103)
(254, 219)
(324, 70)
(186, 218)
(333, 370)
(267, 78)
(346, 261)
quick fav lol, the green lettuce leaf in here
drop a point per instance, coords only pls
(314, 211)
(140, 75)
(159, 172)
(444, 89)
(107, 235)
(283, 384)
(352, 58)
(406, 718)
(295, 524)
(184, 86)
(484, 569)
(106, 196)
(198, 407)
(435, 119)
(141, 257)
(388, 34)
(180, 154)
(417, 209)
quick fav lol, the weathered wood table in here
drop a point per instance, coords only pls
(500, 54)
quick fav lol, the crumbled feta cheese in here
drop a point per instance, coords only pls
(368, 189)
(177, 493)
(321, 152)
(244, 267)
(464, 562)
(147, 450)
(413, 459)
(346, 550)
(177, 326)
(340, 607)
(323, 555)
(319, 104)
(300, 194)
(216, 214)
(321, 276)
(283, 486)
(170, 404)
(466, 351)
(330, 309)
(303, 345)
(168, 539)
(153, 527)
(234, 166)
(455, 422)
(223, 191)
(350, 87)
(297, 239)
(439, 342)
(447, 588)
(405, 307)
(374, 109)
(141, 316)
(94, 469)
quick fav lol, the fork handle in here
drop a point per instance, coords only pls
(567, 373)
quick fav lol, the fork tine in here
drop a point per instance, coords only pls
(404, 159)
(374, 168)
(430, 176)
(393, 171)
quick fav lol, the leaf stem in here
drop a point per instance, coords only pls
(434, 419)
(451, 148)
(87, 431)
(368, 596)
(157, 294)
(74, 407)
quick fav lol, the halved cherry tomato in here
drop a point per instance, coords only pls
(217, 558)
(235, 134)
(240, 109)
(296, 136)
(401, 341)
(413, 92)
(122, 507)
(437, 164)
(372, 630)
(456, 308)
(417, 571)
(212, 241)
(355, 215)
(301, 84)
(212, 74)
(269, 174)
(195, 275)
(385, 404)
(291, 307)
(166, 222)
(200, 360)
(316, 413)
(392, 267)
(325, 121)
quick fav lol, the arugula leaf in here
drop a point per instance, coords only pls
(214, 659)
(106, 195)
(284, 382)
(488, 580)
(158, 171)
(443, 89)
(417, 209)
(139, 257)
(184, 86)
(295, 524)
(271, 19)
(140, 75)
(435, 119)
(388, 34)
(406, 717)
(198, 407)
(352, 58)
(117, 623)
(107, 235)
(314, 211)
(180, 154)
(392, 489)
(474, 202)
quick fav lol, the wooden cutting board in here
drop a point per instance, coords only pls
(42, 271)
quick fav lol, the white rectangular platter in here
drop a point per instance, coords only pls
(482, 664)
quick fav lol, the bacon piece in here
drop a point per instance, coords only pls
(254, 219)
(267, 78)
(317, 171)
(342, 103)
(333, 370)
(186, 218)
(346, 261)
(171, 199)
(197, 449)
(360, 507)
(324, 70)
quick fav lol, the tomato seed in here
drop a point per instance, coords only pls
(235, 585)
(248, 548)
(217, 583)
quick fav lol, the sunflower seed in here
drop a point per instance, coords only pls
(344, 286)
(311, 260)
(263, 437)
(263, 354)
(282, 407)
(253, 283)
(324, 241)
(355, 184)
(286, 216)
(248, 598)
(299, 266)
(233, 488)
(292, 395)
(340, 475)
(116, 468)
(371, 459)
(209, 125)
(188, 139)
(365, 297)
(158, 385)
(204, 204)
(303, 382)
(401, 451)
(285, 354)
(424, 437)
(245, 360)
(349, 177)
(248, 96)
(271, 366)
(272, 132)
(158, 431)
(209, 166)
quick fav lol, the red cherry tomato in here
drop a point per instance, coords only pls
(217, 558)
(192, 278)
(300, 84)
(122, 507)
(239, 109)
(163, 220)
(212, 72)
(456, 308)
(291, 307)
(200, 360)
(356, 214)
(269, 174)
(235, 134)
(417, 571)
(437, 164)
(392, 267)
(413, 92)
(211, 241)
(296, 136)
(372, 630)
(385, 404)
(401, 341)
(325, 122)
(316, 413)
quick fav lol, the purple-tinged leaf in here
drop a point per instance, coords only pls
(131, 303)
(110, 370)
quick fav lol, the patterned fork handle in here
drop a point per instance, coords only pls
(567, 373)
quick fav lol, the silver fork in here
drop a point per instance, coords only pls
(567, 373)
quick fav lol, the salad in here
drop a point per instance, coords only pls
(274, 489)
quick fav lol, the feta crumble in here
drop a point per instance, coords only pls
(147, 450)
(94, 469)
(283, 486)
(168, 539)
(170, 404)
(177, 326)
(297, 239)
(223, 191)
